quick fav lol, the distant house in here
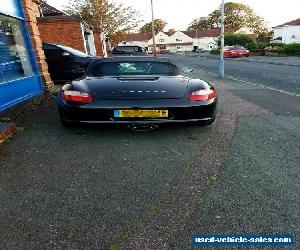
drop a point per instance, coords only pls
(288, 32)
(139, 39)
(180, 41)
(204, 39)
(58, 28)
(175, 41)
(171, 42)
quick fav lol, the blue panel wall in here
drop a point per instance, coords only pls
(16, 91)
(19, 91)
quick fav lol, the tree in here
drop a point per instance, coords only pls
(159, 25)
(104, 16)
(237, 15)
(171, 31)
(200, 23)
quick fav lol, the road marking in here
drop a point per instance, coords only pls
(252, 83)
(263, 86)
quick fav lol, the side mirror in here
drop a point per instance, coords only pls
(65, 53)
(188, 70)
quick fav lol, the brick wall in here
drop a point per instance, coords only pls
(30, 9)
(61, 30)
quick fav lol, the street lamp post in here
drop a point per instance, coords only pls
(153, 30)
(221, 64)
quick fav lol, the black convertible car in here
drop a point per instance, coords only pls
(136, 90)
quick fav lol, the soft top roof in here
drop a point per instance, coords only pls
(134, 59)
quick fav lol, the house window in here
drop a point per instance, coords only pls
(14, 58)
(178, 47)
(161, 40)
(178, 40)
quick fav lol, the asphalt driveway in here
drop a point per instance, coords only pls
(82, 188)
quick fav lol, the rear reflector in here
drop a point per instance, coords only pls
(203, 95)
(76, 96)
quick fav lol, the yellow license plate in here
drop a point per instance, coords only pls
(140, 113)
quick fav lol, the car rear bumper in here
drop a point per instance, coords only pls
(148, 121)
(106, 115)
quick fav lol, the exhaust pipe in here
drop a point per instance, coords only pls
(143, 127)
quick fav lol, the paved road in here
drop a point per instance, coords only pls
(281, 77)
(261, 83)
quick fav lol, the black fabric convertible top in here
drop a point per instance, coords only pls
(134, 59)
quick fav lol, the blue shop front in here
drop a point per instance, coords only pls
(19, 74)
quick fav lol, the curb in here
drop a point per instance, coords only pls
(7, 129)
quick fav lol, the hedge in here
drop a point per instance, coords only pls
(215, 52)
(292, 48)
(237, 39)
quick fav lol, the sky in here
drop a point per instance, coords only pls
(178, 14)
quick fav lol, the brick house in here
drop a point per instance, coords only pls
(58, 28)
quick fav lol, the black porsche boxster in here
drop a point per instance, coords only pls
(136, 90)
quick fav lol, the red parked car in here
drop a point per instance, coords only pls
(236, 51)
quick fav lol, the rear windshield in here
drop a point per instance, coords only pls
(127, 49)
(133, 68)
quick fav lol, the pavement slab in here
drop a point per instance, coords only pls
(258, 190)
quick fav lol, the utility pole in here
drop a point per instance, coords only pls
(221, 63)
(153, 30)
(197, 38)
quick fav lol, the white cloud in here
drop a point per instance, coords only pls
(179, 14)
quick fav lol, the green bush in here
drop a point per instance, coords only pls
(275, 47)
(262, 45)
(258, 52)
(292, 48)
(215, 52)
(280, 45)
(251, 46)
(237, 39)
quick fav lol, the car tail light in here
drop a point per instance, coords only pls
(203, 95)
(76, 96)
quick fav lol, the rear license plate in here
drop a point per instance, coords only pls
(140, 113)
